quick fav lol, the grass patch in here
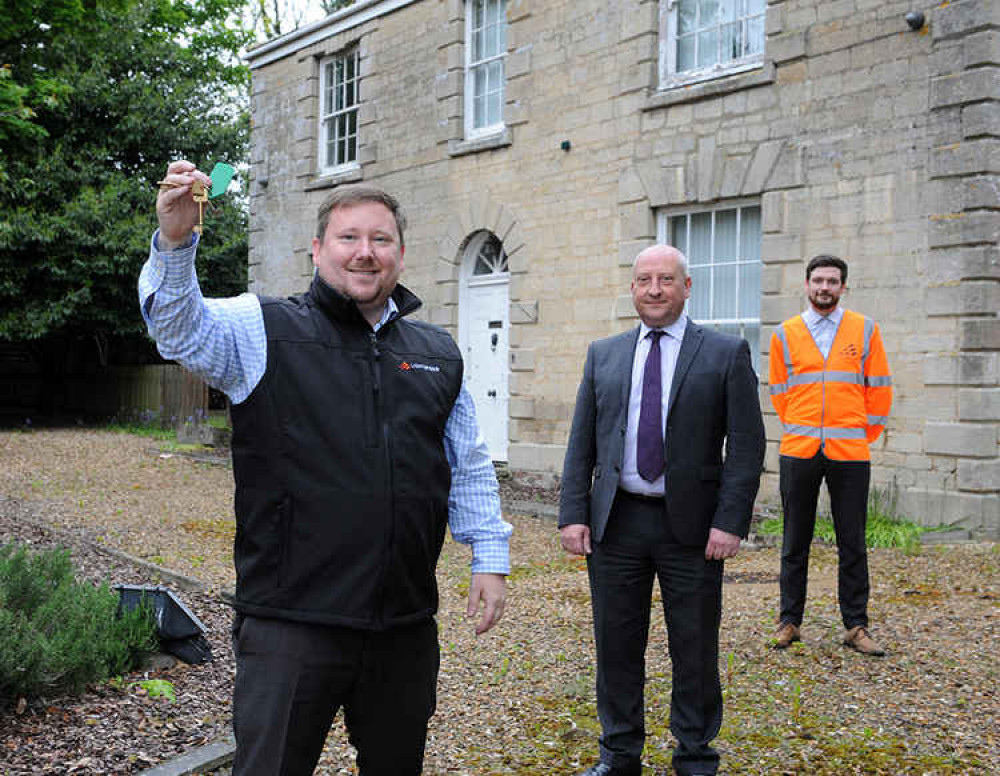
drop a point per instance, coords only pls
(885, 526)
(152, 424)
(145, 430)
(166, 436)
(833, 752)
(218, 420)
(561, 734)
(771, 726)
(178, 447)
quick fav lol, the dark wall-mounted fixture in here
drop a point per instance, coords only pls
(915, 19)
(564, 145)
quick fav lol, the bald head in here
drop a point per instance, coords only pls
(664, 251)
(660, 285)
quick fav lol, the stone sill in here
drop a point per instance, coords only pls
(352, 175)
(700, 90)
(488, 143)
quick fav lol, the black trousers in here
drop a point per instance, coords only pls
(292, 678)
(847, 483)
(637, 546)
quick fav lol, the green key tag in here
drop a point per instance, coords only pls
(221, 175)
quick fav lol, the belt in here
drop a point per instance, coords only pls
(642, 496)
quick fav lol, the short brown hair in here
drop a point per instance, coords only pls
(348, 196)
(826, 260)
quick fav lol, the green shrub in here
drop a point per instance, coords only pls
(885, 527)
(59, 634)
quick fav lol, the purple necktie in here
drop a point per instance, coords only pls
(649, 447)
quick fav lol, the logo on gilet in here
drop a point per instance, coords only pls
(406, 366)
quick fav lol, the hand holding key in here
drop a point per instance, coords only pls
(180, 205)
(176, 208)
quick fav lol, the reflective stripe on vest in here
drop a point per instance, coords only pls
(825, 432)
(787, 351)
(826, 377)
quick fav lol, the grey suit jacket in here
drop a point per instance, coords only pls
(714, 439)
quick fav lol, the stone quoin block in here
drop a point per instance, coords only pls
(960, 439)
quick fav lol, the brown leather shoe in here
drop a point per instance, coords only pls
(858, 638)
(787, 634)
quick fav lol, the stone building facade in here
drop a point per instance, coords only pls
(839, 126)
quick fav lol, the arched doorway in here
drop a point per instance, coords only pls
(483, 334)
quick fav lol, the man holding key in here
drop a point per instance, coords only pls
(348, 468)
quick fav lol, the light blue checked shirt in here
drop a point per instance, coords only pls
(223, 342)
(823, 327)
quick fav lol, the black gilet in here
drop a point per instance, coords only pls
(338, 454)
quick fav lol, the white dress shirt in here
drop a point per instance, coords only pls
(670, 347)
(823, 327)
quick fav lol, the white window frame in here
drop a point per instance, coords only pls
(471, 131)
(498, 269)
(663, 236)
(670, 78)
(333, 115)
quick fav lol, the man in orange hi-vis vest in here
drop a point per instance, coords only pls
(831, 386)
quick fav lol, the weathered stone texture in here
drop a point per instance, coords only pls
(856, 136)
(961, 263)
(961, 369)
(981, 334)
(982, 404)
(981, 118)
(973, 511)
(964, 298)
(979, 475)
(959, 19)
(961, 439)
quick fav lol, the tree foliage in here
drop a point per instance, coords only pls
(335, 5)
(274, 18)
(96, 97)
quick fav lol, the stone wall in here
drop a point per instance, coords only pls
(960, 272)
(857, 136)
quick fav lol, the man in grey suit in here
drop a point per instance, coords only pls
(661, 471)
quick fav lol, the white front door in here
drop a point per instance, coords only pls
(486, 352)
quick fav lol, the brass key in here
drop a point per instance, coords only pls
(200, 195)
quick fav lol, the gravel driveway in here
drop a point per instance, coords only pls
(518, 700)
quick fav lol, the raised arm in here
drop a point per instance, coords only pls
(220, 340)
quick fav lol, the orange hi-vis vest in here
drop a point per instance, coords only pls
(839, 403)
